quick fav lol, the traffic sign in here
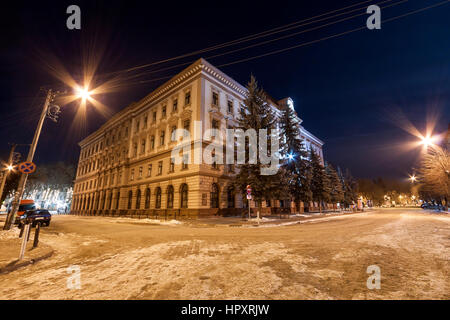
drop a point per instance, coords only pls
(27, 167)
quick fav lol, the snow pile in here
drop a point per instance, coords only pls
(9, 234)
(147, 221)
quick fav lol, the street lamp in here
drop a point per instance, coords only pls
(83, 93)
(48, 111)
(413, 178)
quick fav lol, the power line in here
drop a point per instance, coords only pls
(315, 41)
(256, 44)
(266, 33)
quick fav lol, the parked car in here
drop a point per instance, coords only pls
(36, 216)
(24, 206)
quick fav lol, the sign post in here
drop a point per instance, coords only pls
(249, 197)
(26, 234)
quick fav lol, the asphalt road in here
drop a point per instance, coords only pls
(322, 259)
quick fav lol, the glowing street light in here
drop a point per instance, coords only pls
(413, 178)
(83, 93)
(291, 156)
(10, 167)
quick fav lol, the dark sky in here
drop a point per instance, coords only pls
(350, 90)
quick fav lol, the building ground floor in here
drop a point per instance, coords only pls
(188, 197)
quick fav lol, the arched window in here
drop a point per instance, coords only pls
(130, 196)
(110, 200)
(231, 197)
(158, 198)
(138, 199)
(184, 196)
(214, 196)
(102, 205)
(147, 198)
(117, 200)
(169, 197)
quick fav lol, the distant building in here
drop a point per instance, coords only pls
(126, 168)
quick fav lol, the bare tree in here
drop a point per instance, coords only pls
(435, 173)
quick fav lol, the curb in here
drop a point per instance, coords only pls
(13, 266)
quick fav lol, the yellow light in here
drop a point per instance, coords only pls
(10, 167)
(427, 141)
(413, 178)
(83, 93)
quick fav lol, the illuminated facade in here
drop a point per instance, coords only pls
(126, 168)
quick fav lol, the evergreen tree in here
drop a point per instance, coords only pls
(295, 163)
(336, 187)
(257, 115)
(350, 187)
(320, 184)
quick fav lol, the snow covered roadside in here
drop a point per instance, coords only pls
(146, 221)
(328, 217)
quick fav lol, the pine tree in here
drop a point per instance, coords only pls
(337, 189)
(295, 163)
(320, 184)
(257, 115)
(350, 187)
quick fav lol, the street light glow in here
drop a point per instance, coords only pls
(83, 93)
(413, 178)
(10, 167)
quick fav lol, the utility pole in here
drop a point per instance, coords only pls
(5, 173)
(23, 178)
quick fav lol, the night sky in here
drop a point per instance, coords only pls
(354, 92)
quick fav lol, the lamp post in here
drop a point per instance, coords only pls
(48, 111)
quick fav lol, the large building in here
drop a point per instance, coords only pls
(126, 167)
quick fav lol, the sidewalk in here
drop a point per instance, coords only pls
(239, 221)
(10, 248)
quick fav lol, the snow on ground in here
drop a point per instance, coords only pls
(306, 261)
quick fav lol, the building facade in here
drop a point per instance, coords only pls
(126, 167)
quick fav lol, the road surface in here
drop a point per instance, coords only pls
(323, 259)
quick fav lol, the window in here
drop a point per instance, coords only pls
(214, 196)
(158, 198)
(140, 172)
(154, 116)
(214, 164)
(143, 146)
(215, 99)
(137, 126)
(204, 199)
(185, 163)
(130, 197)
(145, 122)
(187, 98)
(117, 200)
(184, 196)
(163, 115)
(147, 198)
(109, 200)
(186, 127)
(230, 106)
(160, 168)
(173, 134)
(268, 204)
(169, 197)
(132, 175)
(231, 197)
(172, 165)
(215, 124)
(152, 142)
(138, 199)
(111, 182)
(149, 170)
(163, 134)
(175, 105)
(135, 149)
